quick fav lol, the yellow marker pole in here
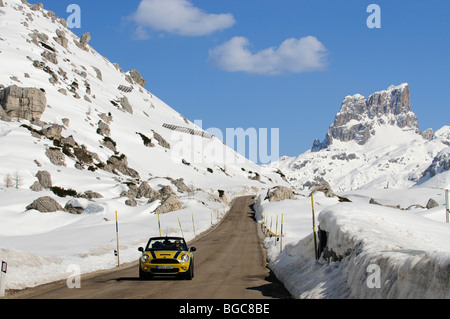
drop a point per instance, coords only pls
(159, 225)
(117, 239)
(281, 234)
(276, 230)
(270, 228)
(181, 228)
(314, 226)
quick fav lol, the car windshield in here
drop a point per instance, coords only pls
(166, 244)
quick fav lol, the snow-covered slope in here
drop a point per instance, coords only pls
(104, 136)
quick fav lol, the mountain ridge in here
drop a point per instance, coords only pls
(374, 142)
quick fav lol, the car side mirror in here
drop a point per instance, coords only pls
(141, 249)
(193, 249)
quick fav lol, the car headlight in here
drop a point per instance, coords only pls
(145, 258)
(185, 258)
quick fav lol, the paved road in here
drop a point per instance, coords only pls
(229, 264)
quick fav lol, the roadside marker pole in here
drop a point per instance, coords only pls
(181, 228)
(446, 207)
(159, 226)
(314, 226)
(117, 238)
(270, 228)
(276, 230)
(3, 279)
(281, 234)
(193, 223)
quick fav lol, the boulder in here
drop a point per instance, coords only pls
(44, 178)
(136, 76)
(162, 142)
(73, 206)
(432, 204)
(181, 186)
(280, 193)
(61, 38)
(52, 131)
(170, 204)
(23, 103)
(323, 187)
(131, 202)
(145, 190)
(120, 164)
(45, 204)
(84, 40)
(126, 106)
(91, 194)
(56, 156)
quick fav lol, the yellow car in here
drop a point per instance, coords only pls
(166, 256)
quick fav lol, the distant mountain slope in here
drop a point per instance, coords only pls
(373, 143)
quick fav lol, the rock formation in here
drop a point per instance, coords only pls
(45, 204)
(23, 103)
(358, 116)
(136, 76)
(280, 193)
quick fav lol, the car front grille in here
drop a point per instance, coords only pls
(165, 261)
(165, 271)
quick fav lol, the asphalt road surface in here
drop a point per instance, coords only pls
(230, 263)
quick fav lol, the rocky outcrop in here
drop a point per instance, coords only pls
(280, 193)
(441, 163)
(61, 38)
(126, 106)
(45, 204)
(162, 142)
(45, 179)
(432, 204)
(179, 183)
(358, 116)
(170, 204)
(23, 103)
(323, 187)
(55, 156)
(73, 206)
(84, 41)
(136, 77)
(145, 191)
(120, 164)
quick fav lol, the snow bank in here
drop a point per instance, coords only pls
(374, 251)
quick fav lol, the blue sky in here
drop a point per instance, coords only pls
(284, 64)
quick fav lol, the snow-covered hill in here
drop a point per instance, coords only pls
(90, 140)
(373, 143)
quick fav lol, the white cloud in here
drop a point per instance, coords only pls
(180, 17)
(292, 56)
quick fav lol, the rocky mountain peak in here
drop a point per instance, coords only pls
(358, 116)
